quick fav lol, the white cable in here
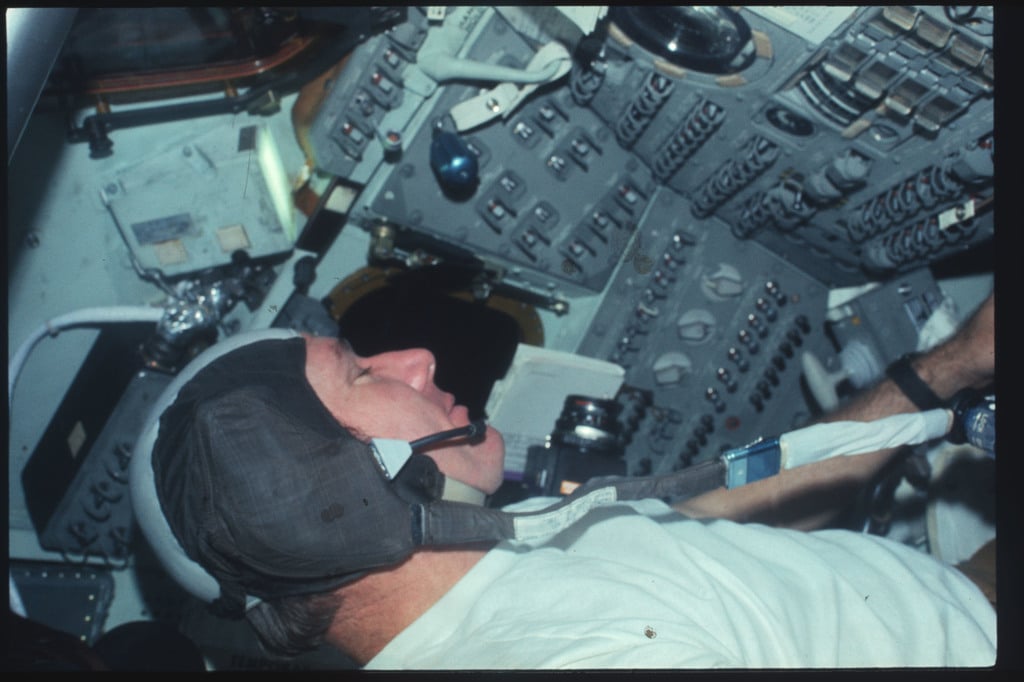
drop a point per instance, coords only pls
(444, 67)
(552, 59)
(78, 318)
(16, 604)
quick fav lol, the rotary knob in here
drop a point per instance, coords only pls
(724, 283)
(671, 367)
(696, 326)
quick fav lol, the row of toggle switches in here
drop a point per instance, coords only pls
(759, 324)
(662, 278)
(760, 342)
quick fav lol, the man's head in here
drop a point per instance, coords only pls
(393, 395)
(264, 488)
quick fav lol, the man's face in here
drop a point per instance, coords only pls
(393, 395)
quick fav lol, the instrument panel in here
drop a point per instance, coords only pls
(711, 174)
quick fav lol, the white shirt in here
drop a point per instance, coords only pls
(635, 585)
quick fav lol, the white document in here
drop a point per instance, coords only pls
(526, 403)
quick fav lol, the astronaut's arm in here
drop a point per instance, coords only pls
(810, 496)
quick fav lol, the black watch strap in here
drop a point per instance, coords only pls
(917, 391)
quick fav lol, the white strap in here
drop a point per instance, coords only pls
(391, 454)
(831, 439)
(534, 526)
(457, 491)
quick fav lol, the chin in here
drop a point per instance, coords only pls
(494, 446)
(492, 435)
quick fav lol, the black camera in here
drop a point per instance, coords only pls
(587, 442)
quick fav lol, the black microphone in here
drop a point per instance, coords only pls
(472, 430)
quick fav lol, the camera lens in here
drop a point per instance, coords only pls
(589, 424)
(587, 442)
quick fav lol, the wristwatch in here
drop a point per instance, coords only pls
(917, 391)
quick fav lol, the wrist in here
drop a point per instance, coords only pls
(906, 373)
(953, 366)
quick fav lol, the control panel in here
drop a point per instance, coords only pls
(713, 330)
(710, 193)
(855, 143)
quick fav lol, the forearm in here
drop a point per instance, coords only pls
(805, 497)
(810, 496)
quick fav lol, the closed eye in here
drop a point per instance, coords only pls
(344, 344)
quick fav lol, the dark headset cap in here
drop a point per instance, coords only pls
(265, 489)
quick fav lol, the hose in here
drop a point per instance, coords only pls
(86, 317)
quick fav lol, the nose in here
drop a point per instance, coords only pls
(414, 366)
